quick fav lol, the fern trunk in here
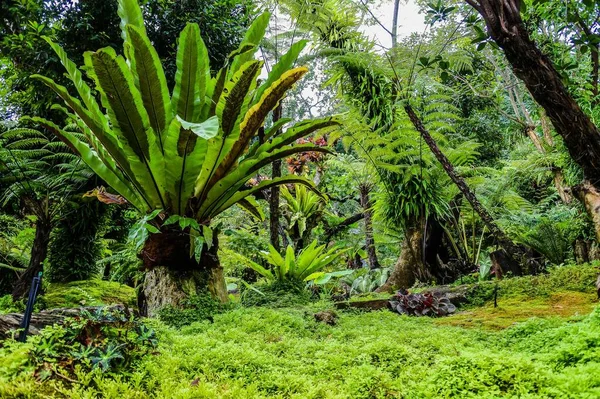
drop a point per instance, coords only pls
(367, 205)
(39, 251)
(172, 276)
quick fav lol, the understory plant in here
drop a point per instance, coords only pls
(368, 281)
(109, 340)
(187, 153)
(421, 304)
(307, 266)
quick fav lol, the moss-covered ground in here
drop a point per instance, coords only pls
(542, 345)
(87, 293)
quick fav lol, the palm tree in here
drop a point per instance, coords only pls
(183, 157)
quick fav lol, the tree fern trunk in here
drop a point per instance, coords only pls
(410, 263)
(274, 217)
(365, 201)
(39, 251)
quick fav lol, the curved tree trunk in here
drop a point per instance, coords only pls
(517, 252)
(590, 198)
(580, 135)
(409, 266)
(39, 250)
(171, 275)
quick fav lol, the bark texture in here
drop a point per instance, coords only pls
(367, 205)
(580, 135)
(590, 198)
(39, 251)
(410, 264)
(274, 212)
(171, 275)
(518, 253)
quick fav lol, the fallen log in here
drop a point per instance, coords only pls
(11, 321)
(458, 295)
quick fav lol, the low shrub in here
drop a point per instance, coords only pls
(7, 305)
(418, 304)
(195, 308)
(109, 341)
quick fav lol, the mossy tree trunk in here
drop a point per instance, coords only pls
(409, 266)
(171, 275)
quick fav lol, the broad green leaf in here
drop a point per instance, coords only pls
(226, 187)
(206, 130)
(255, 117)
(301, 129)
(124, 155)
(186, 153)
(128, 116)
(232, 104)
(253, 37)
(130, 13)
(208, 236)
(82, 88)
(289, 264)
(261, 270)
(190, 78)
(150, 80)
(263, 185)
(89, 156)
(285, 63)
(250, 204)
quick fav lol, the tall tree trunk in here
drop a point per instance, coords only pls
(172, 276)
(395, 23)
(580, 135)
(365, 201)
(514, 251)
(274, 217)
(410, 265)
(39, 250)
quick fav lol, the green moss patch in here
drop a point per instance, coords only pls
(87, 293)
(519, 308)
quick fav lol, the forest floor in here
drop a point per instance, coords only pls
(538, 345)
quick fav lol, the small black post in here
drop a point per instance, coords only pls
(35, 287)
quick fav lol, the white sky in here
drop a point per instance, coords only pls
(409, 21)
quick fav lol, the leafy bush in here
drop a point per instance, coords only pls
(192, 309)
(7, 305)
(106, 340)
(305, 266)
(368, 281)
(418, 304)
